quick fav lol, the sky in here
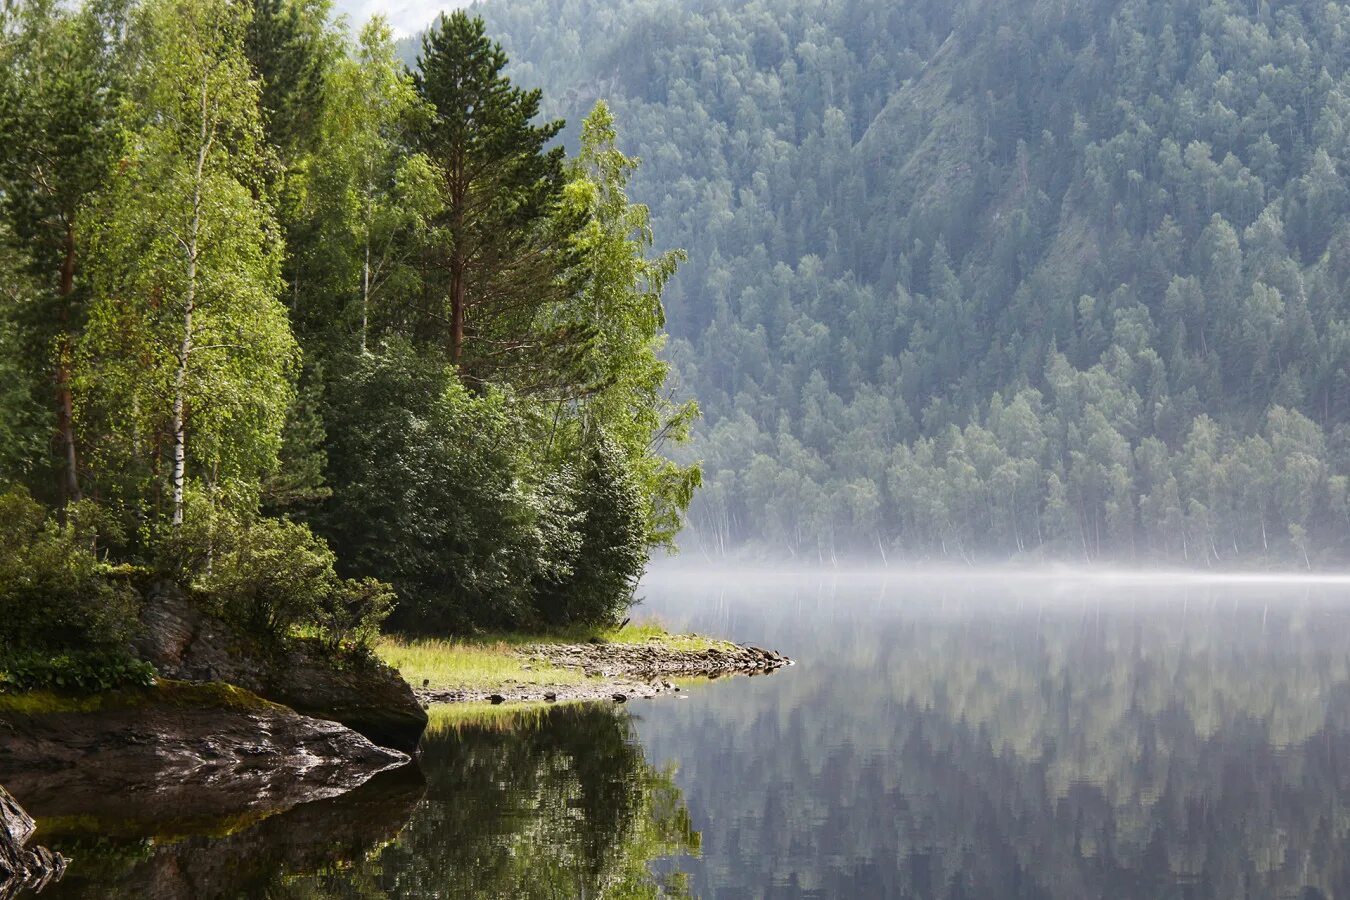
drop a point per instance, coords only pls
(406, 16)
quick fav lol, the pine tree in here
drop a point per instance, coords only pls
(494, 245)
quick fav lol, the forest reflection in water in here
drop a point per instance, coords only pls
(551, 802)
(939, 738)
(1002, 736)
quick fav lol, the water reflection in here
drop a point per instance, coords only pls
(982, 740)
(242, 857)
(939, 739)
(559, 802)
(556, 802)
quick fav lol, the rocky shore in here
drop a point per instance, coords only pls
(359, 692)
(22, 866)
(153, 754)
(616, 672)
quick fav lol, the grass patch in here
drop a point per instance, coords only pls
(653, 632)
(213, 695)
(462, 664)
(492, 661)
(649, 631)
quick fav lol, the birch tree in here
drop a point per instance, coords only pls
(187, 357)
(371, 195)
(619, 306)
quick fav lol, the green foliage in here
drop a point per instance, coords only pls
(611, 554)
(231, 205)
(80, 672)
(494, 237)
(271, 577)
(22, 423)
(298, 480)
(291, 48)
(184, 368)
(620, 304)
(61, 81)
(434, 491)
(53, 594)
(355, 234)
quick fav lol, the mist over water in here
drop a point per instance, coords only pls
(944, 734)
(994, 733)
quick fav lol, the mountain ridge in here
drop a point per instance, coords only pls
(992, 279)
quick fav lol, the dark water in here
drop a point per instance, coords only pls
(939, 738)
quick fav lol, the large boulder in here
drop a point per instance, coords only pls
(208, 750)
(359, 692)
(21, 866)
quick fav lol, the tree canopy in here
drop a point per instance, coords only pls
(989, 279)
(295, 319)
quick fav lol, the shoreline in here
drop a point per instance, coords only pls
(599, 670)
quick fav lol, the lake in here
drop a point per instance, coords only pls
(940, 736)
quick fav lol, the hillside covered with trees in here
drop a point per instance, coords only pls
(992, 278)
(312, 335)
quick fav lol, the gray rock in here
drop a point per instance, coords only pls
(213, 749)
(362, 693)
(21, 866)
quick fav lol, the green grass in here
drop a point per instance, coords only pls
(490, 661)
(459, 664)
(652, 632)
(648, 631)
(165, 692)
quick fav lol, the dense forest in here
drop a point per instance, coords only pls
(314, 335)
(993, 278)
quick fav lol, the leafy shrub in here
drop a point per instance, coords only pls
(433, 490)
(75, 672)
(271, 577)
(611, 553)
(351, 613)
(53, 594)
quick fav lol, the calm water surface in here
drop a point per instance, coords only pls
(940, 737)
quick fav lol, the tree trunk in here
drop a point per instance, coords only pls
(365, 294)
(459, 259)
(65, 402)
(456, 312)
(178, 424)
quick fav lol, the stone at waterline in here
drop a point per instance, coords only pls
(208, 751)
(363, 694)
(21, 866)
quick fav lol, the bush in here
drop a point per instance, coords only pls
(74, 671)
(351, 613)
(53, 593)
(272, 578)
(433, 490)
(597, 587)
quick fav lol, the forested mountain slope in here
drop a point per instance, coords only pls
(992, 278)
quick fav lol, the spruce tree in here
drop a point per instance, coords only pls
(495, 252)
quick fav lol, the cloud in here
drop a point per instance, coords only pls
(406, 16)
